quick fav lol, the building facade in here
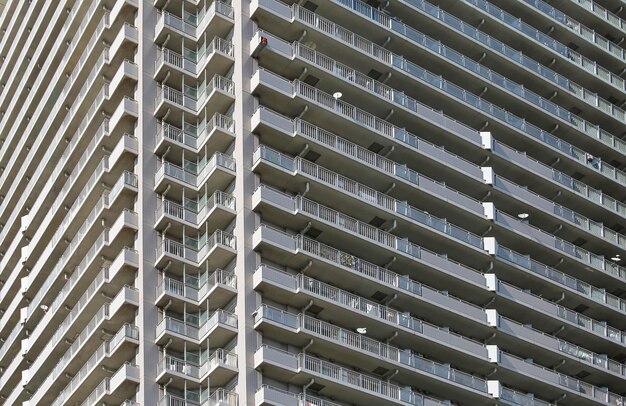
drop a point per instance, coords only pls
(314, 202)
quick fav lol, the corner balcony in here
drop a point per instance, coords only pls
(219, 248)
(122, 345)
(214, 212)
(217, 289)
(216, 174)
(216, 96)
(220, 328)
(88, 377)
(216, 20)
(343, 383)
(219, 368)
(210, 136)
(116, 389)
(220, 397)
(214, 59)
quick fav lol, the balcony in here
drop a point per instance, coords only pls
(435, 83)
(517, 63)
(525, 262)
(384, 57)
(523, 166)
(216, 20)
(219, 247)
(216, 174)
(551, 350)
(85, 380)
(535, 239)
(214, 212)
(550, 382)
(366, 201)
(545, 210)
(343, 307)
(298, 250)
(214, 58)
(341, 382)
(345, 346)
(116, 389)
(592, 43)
(212, 136)
(220, 328)
(220, 397)
(268, 395)
(219, 368)
(121, 345)
(218, 288)
(291, 135)
(215, 96)
(407, 33)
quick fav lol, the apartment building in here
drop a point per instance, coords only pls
(314, 202)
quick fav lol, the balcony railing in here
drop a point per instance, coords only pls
(194, 98)
(196, 291)
(366, 194)
(196, 213)
(194, 24)
(361, 343)
(582, 222)
(536, 35)
(524, 399)
(199, 251)
(602, 12)
(192, 61)
(220, 397)
(455, 91)
(550, 240)
(192, 173)
(195, 370)
(196, 331)
(554, 343)
(373, 309)
(575, 26)
(588, 323)
(599, 295)
(455, 57)
(380, 126)
(354, 379)
(195, 139)
(370, 270)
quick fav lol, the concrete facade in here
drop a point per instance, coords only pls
(315, 202)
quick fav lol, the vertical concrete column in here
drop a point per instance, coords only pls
(146, 167)
(247, 300)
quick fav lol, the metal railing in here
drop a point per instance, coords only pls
(366, 194)
(194, 136)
